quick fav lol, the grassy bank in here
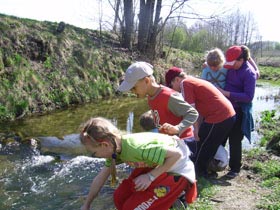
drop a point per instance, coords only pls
(271, 74)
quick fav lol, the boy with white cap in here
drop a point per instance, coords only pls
(172, 115)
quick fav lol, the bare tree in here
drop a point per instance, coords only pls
(151, 23)
(116, 9)
(214, 31)
(129, 24)
(145, 19)
(124, 21)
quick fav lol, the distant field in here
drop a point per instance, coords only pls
(268, 58)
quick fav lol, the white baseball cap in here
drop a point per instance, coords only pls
(135, 72)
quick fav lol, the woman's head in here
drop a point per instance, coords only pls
(215, 59)
(236, 55)
(99, 133)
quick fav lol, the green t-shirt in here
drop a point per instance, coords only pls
(143, 149)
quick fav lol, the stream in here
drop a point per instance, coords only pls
(56, 173)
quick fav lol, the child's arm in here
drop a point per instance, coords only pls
(143, 181)
(95, 187)
(179, 107)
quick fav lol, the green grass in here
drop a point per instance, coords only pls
(271, 74)
(269, 169)
(206, 190)
(270, 172)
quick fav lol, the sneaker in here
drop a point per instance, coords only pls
(232, 174)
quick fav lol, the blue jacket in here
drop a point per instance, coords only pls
(247, 120)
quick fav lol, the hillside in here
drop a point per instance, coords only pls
(45, 65)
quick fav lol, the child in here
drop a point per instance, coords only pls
(172, 115)
(147, 122)
(218, 163)
(163, 168)
(213, 70)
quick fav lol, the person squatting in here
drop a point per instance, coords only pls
(163, 169)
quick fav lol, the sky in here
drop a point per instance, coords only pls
(85, 13)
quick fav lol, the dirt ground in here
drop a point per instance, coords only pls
(243, 192)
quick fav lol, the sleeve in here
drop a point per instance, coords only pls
(178, 106)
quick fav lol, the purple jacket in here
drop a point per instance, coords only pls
(241, 84)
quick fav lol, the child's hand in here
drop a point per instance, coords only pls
(169, 129)
(142, 182)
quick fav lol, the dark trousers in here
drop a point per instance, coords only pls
(211, 137)
(235, 143)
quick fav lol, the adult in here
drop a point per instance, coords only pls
(239, 89)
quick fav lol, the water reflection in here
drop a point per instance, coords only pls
(267, 97)
(65, 122)
(129, 122)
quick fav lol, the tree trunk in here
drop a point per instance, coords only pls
(129, 24)
(152, 43)
(117, 8)
(145, 17)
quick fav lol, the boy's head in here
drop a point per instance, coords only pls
(147, 121)
(134, 73)
(173, 78)
(215, 59)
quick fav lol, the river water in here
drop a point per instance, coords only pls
(56, 175)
